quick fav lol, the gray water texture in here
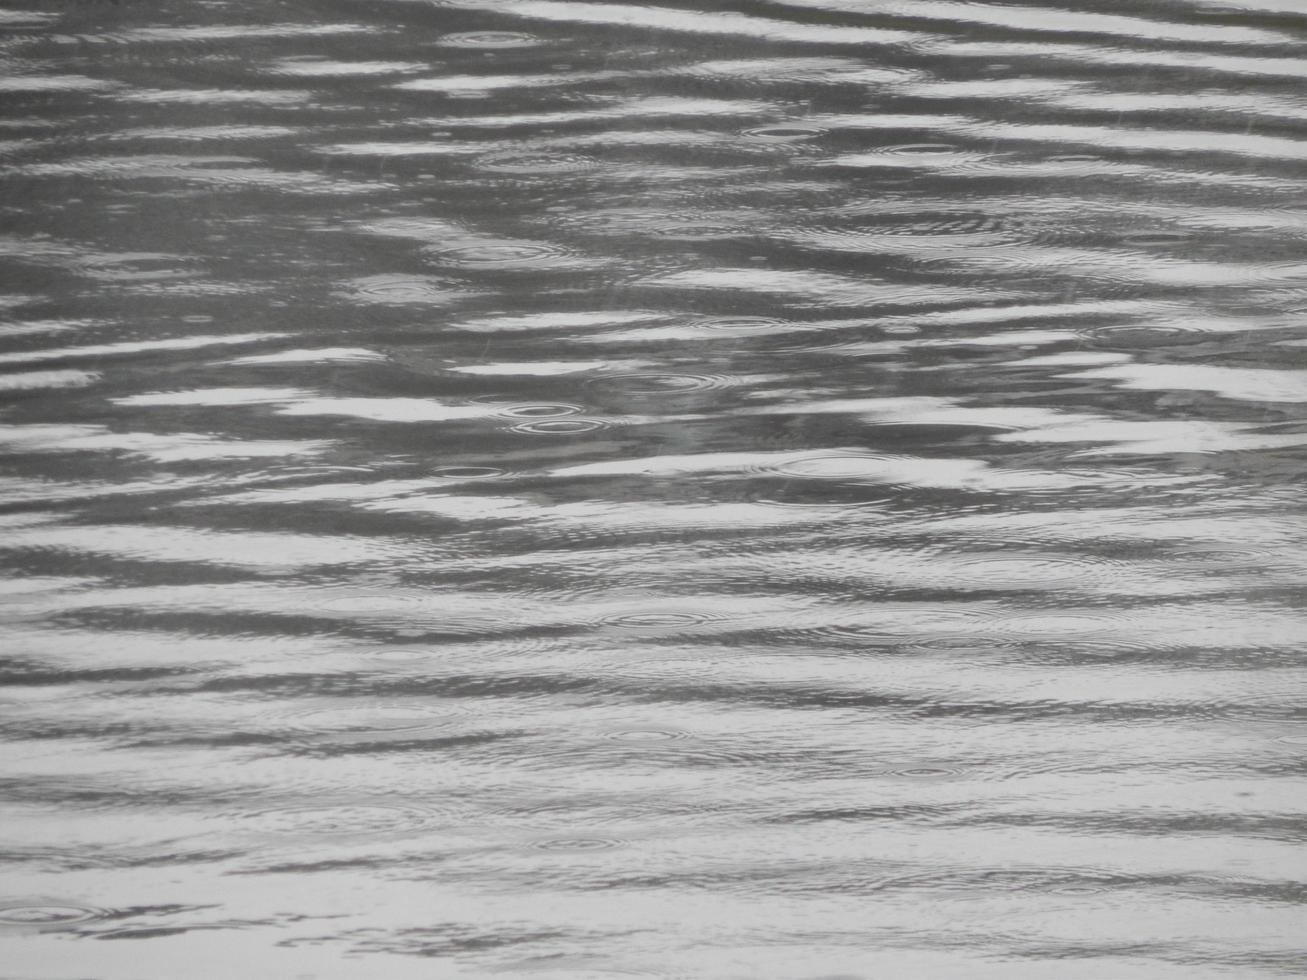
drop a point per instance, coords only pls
(796, 489)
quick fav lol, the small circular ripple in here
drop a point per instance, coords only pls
(401, 290)
(497, 255)
(950, 644)
(657, 622)
(642, 735)
(937, 232)
(1222, 556)
(743, 324)
(467, 472)
(540, 411)
(827, 466)
(47, 916)
(490, 40)
(544, 164)
(922, 772)
(784, 134)
(921, 148)
(1140, 336)
(559, 427)
(577, 843)
(916, 156)
(352, 722)
(674, 384)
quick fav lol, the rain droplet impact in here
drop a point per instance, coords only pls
(921, 148)
(498, 255)
(658, 622)
(540, 411)
(784, 134)
(361, 722)
(671, 384)
(1141, 336)
(467, 472)
(401, 290)
(51, 916)
(490, 40)
(559, 427)
(577, 844)
(744, 324)
(646, 735)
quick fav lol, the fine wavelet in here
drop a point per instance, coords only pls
(180, 544)
(654, 106)
(27, 18)
(370, 723)
(52, 83)
(323, 68)
(789, 71)
(453, 84)
(333, 821)
(1054, 20)
(695, 22)
(583, 320)
(1240, 384)
(542, 164)
(50, 438)
(32, 380)
(401, 148)
(670, 384)
(228, 32)
(553, 425)
(818, 289)
(215, 96)
(325, 355)
(1194, 62)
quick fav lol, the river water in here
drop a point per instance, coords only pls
(573, 490)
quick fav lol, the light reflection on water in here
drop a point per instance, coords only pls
(584, 489)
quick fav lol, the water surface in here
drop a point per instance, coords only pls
(532, 488)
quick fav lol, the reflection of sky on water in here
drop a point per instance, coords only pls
(593, 489)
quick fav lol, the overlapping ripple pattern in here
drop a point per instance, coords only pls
(567, 489)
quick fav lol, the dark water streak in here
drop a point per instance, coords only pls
(576, 489)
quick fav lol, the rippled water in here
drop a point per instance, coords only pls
(533, 488)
